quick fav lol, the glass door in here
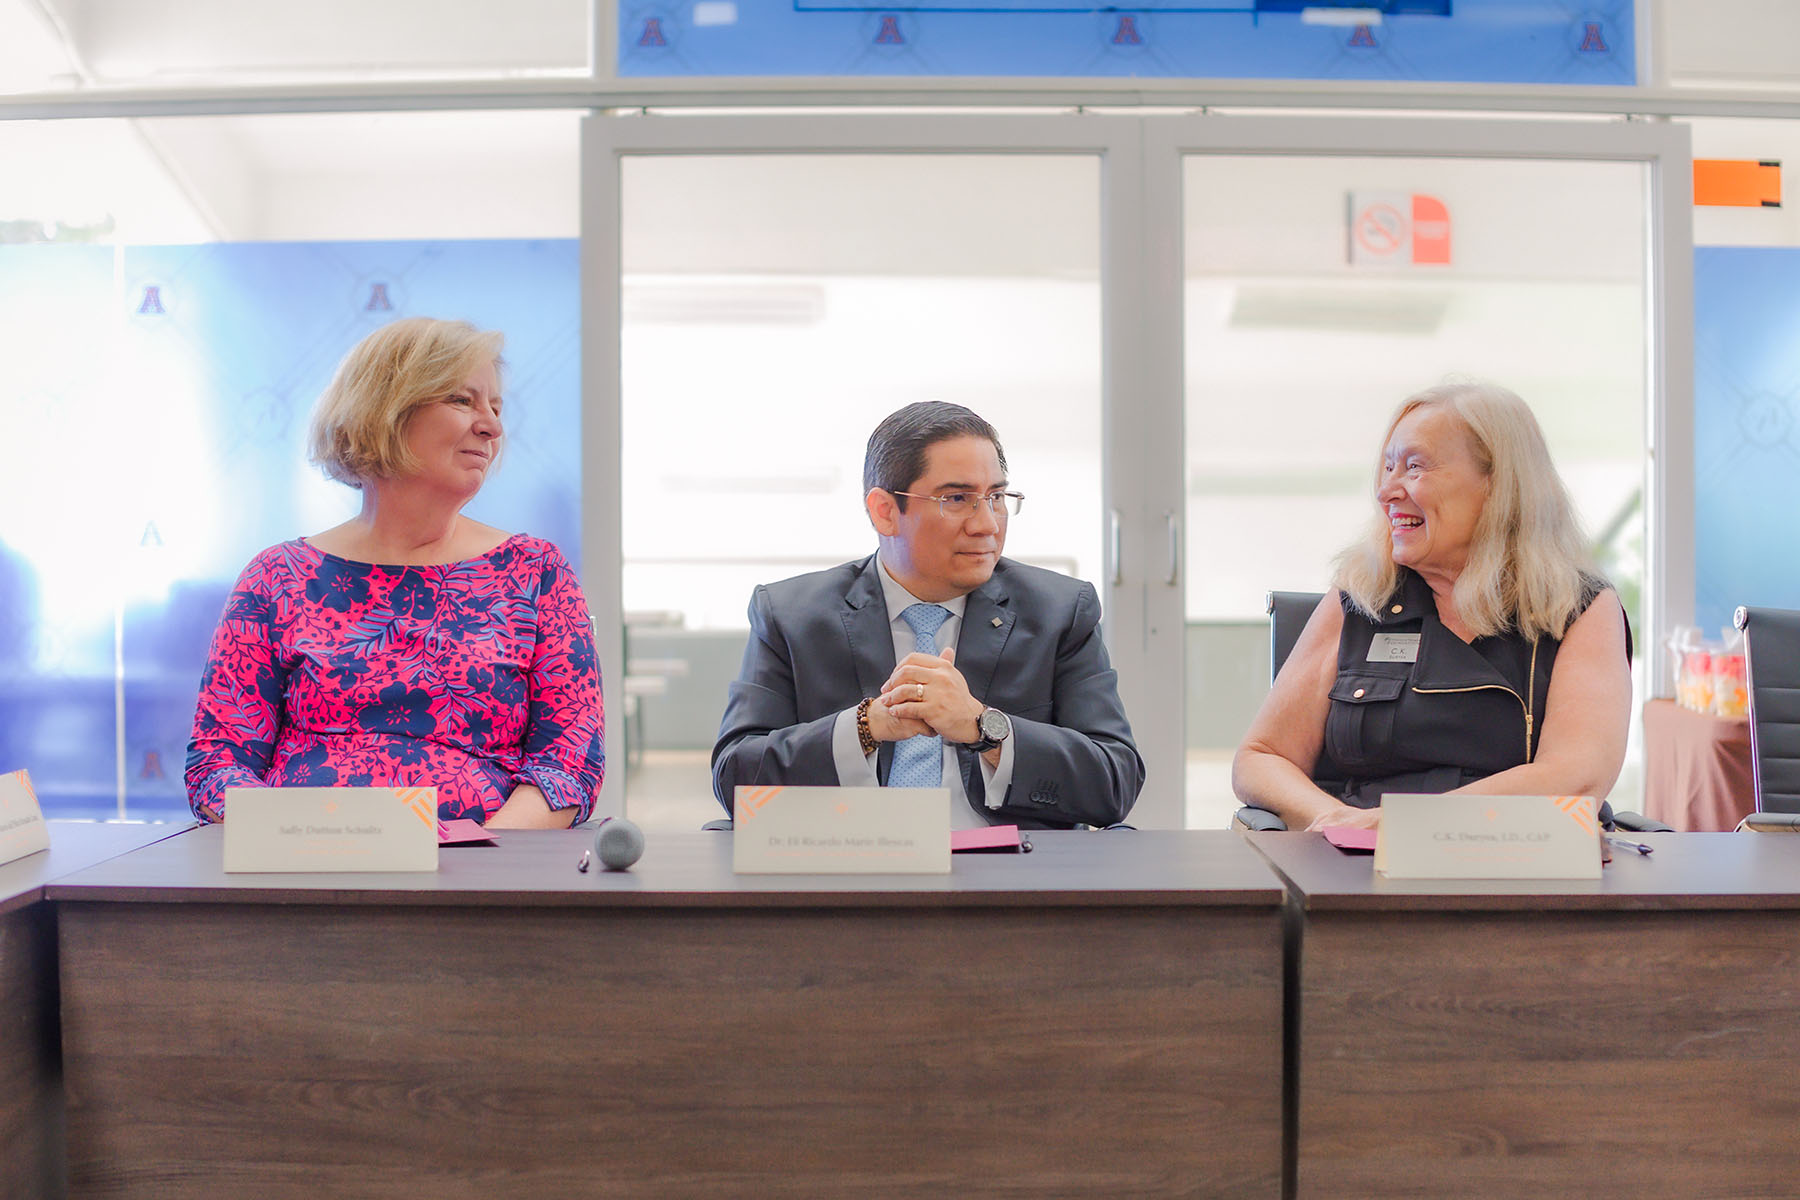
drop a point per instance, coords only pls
(1319, 290)
(777, 297)
(1188, 329)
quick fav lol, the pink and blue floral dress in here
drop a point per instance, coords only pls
(472, 677)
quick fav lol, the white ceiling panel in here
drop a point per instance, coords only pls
(1736, 44)
(32, 54)
(272, 41)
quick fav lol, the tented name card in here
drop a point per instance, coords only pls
(22, 828)
(841, 831)
(1488, 837)
(331, 829)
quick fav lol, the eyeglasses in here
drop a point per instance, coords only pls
(958, 505)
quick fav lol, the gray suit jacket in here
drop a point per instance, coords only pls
(819, 643)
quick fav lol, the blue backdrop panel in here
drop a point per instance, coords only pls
(1746, 430)
(1461, 41)
(167, 390)
(56, 666)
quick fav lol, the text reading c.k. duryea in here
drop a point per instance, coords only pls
(1491, 839)
(844, 843)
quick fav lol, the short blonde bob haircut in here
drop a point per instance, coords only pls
(1529, 565)
(357, 427)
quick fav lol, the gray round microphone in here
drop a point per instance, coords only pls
(618, 843)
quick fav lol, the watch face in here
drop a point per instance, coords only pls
(994, 726)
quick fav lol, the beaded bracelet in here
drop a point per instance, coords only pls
(863, 733)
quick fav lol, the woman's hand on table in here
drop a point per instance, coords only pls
(1345, 815)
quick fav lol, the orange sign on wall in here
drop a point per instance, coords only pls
(1737, 182)
(1430, 231)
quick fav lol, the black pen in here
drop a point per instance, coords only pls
(1625, 845)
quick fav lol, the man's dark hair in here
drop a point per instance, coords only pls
(896, 455)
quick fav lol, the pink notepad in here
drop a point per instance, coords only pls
(1350, 839)
(463, 832)
(991, 837)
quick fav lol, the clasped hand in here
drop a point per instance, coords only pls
(926, 694)
(1344, 814)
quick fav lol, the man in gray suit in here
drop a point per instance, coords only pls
(935, 662)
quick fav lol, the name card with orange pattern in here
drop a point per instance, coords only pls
(841, 831)
(22, 828)
(325, 829)
(1488, 837)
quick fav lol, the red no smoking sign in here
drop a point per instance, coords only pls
(1398, 229)
(1380, 229)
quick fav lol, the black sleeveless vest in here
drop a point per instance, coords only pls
(1460, 712)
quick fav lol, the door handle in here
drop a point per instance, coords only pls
(1114, 532)
(1174, 575)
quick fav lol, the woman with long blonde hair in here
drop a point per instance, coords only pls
(1468, 644)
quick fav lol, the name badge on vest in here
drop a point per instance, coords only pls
(1394, 647)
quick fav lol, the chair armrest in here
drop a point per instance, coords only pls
(1260, 819)
(1639, 823)
(1771, 822)
(718, 825)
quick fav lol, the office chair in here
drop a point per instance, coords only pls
(1288, 614)
(1772, 677)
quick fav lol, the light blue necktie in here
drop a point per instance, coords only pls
(919, 761)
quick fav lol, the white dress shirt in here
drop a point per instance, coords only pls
(856, 769)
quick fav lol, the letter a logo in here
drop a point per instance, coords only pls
(152, 303)
(1127, 34)
(1362, 35)
(378, 299)
(889, 34)
(1591, 40)
(653, 34)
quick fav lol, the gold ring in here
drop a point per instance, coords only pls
(921, 688)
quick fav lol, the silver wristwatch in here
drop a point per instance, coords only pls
(994, 728)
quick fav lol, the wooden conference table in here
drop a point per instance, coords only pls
(31, 1107)
(1635, 1037)
(1101, 1017)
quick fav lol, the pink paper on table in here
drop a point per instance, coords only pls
(462, 832)
(990, 837)
(1347, 837)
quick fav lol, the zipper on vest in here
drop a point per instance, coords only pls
(1530, 695)
(1524, 703)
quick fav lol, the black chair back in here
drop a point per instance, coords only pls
(1288, 614)
(1772, 676)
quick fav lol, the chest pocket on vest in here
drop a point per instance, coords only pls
(1359, 729)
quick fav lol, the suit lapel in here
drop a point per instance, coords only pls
(867, 630)
(987, 624)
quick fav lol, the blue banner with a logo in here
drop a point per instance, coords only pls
(1448, 41)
